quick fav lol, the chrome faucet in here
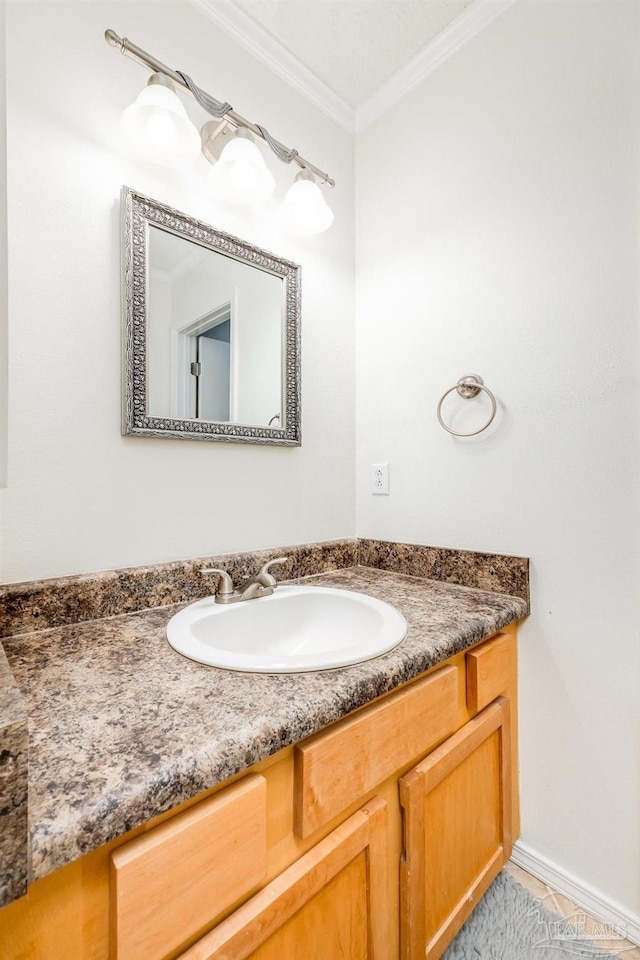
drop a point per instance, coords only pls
(262, 585)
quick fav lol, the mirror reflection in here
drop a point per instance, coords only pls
(211, 332)
(214, 344)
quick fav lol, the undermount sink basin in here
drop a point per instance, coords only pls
(294, 630)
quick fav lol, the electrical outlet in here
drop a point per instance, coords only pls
(380, 479)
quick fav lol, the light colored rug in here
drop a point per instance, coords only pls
(510, 924)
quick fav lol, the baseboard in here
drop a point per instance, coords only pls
(576, 890)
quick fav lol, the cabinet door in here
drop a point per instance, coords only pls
(457, 807)
(174, 881)
(329, 905)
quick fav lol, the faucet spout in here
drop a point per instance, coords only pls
(262, 585)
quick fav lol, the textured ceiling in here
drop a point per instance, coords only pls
(353, 46)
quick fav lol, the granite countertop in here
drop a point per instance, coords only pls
(123, 728)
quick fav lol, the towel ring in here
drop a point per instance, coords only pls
(468, 387)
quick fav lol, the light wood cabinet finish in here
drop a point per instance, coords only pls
(330, 903)
(334, 768)
(489, 670)
(172, 882)
(457, 805)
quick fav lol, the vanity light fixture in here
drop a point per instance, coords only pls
(240, 172)
(156, 126)
(158, 129)
(304, 209)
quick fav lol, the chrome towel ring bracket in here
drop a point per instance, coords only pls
(468, 387)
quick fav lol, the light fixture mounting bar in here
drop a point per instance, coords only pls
(129, 49)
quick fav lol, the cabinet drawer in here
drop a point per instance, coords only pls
(490, 669)
(337, 768)
(170, 883)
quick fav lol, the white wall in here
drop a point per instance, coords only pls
(81, 497)
(4, 417)
(498, 233)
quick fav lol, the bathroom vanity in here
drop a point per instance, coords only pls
(178, 810)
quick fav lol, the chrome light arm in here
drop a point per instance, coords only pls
(131, 50)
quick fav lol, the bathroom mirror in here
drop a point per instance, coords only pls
(211, 332)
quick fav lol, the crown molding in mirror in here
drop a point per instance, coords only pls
(138, 212)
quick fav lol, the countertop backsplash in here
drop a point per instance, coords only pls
(40, 604)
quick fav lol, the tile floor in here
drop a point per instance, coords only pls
(558, 904)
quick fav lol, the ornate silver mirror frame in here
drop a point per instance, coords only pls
(138, 214)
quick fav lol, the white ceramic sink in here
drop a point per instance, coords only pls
(294, 630)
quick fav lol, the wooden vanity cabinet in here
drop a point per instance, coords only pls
(371, 840)
(398, 877)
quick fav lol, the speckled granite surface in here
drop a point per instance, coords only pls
(14, 747)
(39, 604)
(124, 728)
(468, 568)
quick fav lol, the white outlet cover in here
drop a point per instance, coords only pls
(380, 479)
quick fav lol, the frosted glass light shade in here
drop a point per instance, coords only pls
(305, 211)
(241, 174)
(156, 127)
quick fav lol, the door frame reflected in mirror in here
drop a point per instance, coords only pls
(138, 214)
(186, 398)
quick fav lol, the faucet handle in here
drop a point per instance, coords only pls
(264, 569)
(225, 586)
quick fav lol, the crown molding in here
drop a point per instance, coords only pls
(465, 26)
(273, 54)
